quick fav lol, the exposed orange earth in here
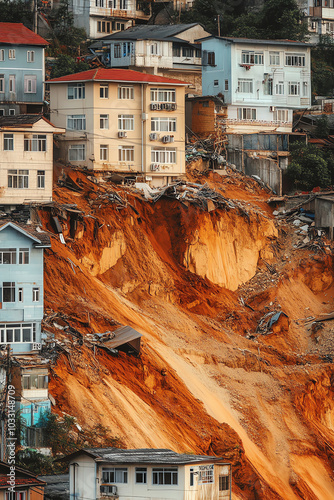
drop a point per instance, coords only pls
(195, 284)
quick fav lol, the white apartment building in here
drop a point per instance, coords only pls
(320, 17)
(261, 81)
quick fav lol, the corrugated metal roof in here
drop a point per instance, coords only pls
(150, 32)
(116, 75)
(18, 34)
(147, 456)
(122, 335)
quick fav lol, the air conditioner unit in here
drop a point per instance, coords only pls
(108, 489)
(173, 106)
(168, 106)
(165, 139)
(155, 167)
(272, 108)
(153, 106)
(36, 346)
(122, 134)
(158, 106)
(153, 136)
(171, 138)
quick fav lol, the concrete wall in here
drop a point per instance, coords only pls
(267, 170)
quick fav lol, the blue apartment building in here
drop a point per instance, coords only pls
(21, 286)
(22, 70)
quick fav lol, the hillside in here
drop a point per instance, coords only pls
(195, 282)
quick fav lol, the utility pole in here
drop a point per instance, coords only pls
(35, 16)
(218, 20)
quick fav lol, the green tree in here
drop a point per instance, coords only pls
(17, 11)
(65, 37)
(309, 167)
(67, 65)
(322, 126)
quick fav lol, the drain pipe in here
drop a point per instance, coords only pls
(75, 465)
(142, 127)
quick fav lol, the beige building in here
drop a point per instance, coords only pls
(122, 120)
(26, 159)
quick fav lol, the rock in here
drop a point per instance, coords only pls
(275, 212)
(304, 228)
(297, 222)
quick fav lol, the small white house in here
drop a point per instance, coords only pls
(150, 474)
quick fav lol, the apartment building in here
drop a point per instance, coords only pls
(261, 81)
(26, 161)
(22, 71)
(21, 286)
(165, 50)
(147, 473)
(122, 120)
(320, 17)
(100, 17)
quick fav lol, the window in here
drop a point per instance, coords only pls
(20, 294)
(198, 53)
(268, 86)
(35, 142)
(103, 26)
(154, 49)
(141, 475)
(305, 89)
(104, 121)
(8, 291)
(114, 475)
(224, 483)
(103, 152)
(187, 52)
(126, 122)
(34, 381)
(77, 152)
(30, 83)
(126, 153)
(2, 112)
(215, 83)
(279, 88)
(176, 51)
(245, 85)
(8, 256)
(2, 84)
(206, 474)
(163, 155)
(104, 90)
(165, 475)
(163, 124)
(295, 60)
(11, 83)
(117, 50)
(125, 92)
(99, 3)
(117, 26)
(205, 104)
(226, 85)
(20, 332)
(274, 59)
(246, 113)
(30, 56)
(11, 54)
(211, 59)
(123, 4)
(76, 91)
(18, 179)
(251, 57)
(158, 95)
(2, 54)
(18, 495)
(281, 115)
(11, 112)
(23, 255)
(35, 294)
(41, 179)
(294, 88)
(76, 122)
(191, 481)
(8, 142)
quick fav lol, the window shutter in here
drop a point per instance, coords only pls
(25, 84)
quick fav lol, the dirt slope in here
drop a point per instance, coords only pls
(195, 284)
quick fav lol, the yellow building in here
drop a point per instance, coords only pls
(123, 121)
(26, 159)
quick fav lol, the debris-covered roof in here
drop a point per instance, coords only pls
(145, 455)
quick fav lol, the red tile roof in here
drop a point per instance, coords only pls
(18, 34)
(20, 481)
(116, 75)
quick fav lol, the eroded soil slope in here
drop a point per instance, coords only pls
(195, 284)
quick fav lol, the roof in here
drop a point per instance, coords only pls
(18, 34)
(144, 456)
(122, 335)
(255, 41)
(214, 98)
(116, 75)
(150, 32)
(22, 121)
(22, 477)
(41, 239)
